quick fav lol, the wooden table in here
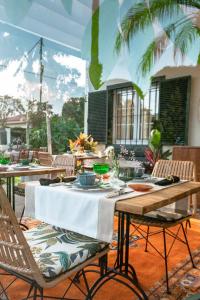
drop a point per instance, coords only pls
(10, 175)
(151, 201)
(141, 205)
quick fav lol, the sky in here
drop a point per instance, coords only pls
(64, 71)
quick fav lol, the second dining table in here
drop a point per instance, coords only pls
(12, 173)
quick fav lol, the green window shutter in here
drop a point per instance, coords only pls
(174, 110)
(97, 115)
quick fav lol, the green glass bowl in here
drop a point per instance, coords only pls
(5, 161)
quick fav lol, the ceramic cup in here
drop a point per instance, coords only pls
(87, 178)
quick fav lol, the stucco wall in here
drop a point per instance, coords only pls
(194, 114)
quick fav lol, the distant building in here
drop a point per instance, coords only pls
(15, 128)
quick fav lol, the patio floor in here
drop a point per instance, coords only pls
(149, 267)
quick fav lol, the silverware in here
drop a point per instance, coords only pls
(118, 193)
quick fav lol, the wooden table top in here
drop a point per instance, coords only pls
(154, 200)
(31, 172)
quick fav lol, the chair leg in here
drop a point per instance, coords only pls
(188, 247)
(87, 286)
(147, 238)
(22, 214)
(41, 293)
(166, 263)
(35, 293)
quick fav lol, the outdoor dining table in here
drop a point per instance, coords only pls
(11, 174)
(139, 204)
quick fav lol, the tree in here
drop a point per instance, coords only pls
(183, 32)
(73, 110)
(9, 106)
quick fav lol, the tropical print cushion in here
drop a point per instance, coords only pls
(58, 250)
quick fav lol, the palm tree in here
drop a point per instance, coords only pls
(183, 32)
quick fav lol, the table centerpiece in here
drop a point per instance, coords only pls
(83, 143)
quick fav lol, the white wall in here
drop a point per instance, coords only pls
(194, 115)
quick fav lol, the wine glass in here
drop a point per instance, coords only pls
(101, 169)
(126, 174)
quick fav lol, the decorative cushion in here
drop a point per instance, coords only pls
(58, 250)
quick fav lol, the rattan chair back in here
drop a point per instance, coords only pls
(15, 254)
(45, 159)
(184, 169)
(67, 161)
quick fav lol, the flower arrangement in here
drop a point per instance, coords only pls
(83, 142)
(125, 158)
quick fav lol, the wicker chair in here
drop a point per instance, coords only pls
(46, 255)
(186, 171)
(45, 158)
(66, 161)
(19, 259)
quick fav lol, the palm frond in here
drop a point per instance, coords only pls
(149, 57)
(182, 38)
(185, 37)
(198, 59)
(138, 91)
(140, 16)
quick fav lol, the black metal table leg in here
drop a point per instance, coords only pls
(121, 242)
(9, 188)
(122, 263)
(127, 243)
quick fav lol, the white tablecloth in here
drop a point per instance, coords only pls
(85, 212)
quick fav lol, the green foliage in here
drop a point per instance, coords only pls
(38, 136)
(95, 68)
(73, 110)
(154, 152)
(63, 128)
(155, 139)
(141, 15)
(37, 112)
(138, 91)
(9, 106)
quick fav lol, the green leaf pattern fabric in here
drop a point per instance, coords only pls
(57, 250)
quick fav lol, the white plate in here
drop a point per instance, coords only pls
(95, 187)
(21, 168)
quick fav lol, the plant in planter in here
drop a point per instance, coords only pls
(82, 143)
(154, 152)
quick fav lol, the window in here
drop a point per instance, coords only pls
(132, 116)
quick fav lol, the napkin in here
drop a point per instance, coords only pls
(168, 180)
(47, 181)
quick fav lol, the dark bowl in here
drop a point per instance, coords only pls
(24, 162)
(47, 181)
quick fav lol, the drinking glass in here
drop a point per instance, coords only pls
(101, 169)
(126, 174)
(4, 160)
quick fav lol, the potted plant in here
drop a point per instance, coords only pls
(154, 151)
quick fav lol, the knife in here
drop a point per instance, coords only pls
(118, 193)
